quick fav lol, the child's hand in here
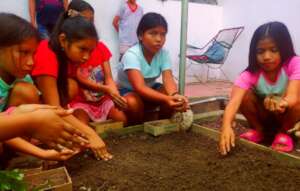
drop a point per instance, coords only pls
(177, 102)
(295, 129)
(227, 140)
(120, 101)
(62, 155)
(99, 148)
(184, 100)
(275, 104)
(49, 127)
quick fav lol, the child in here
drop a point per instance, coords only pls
(142, 64)
(98, 91)
(44, 14)
(71, 44)
(126, 22)
(267, 91)
(18, 42)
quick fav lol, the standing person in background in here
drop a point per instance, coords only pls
(44, 14)
(126, 22)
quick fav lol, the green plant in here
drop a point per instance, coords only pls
(12, 180)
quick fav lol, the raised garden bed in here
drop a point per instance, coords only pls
(55, 180)
(181, 161)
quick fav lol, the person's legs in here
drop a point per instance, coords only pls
(289, 118)
(82, 116)
(135, 112)
(117, 115)
(252, 108)
(43, 31)
(23, 93)
(282, 141)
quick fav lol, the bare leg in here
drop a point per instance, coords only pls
(82, 116)
(254, 111)
(135, 112)
(117, 115)
(289, 118)
(23, 93)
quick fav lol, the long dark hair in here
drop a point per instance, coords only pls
(75, 28)
(281, 36)
(14, 30)
(149, 21)
(80, 5)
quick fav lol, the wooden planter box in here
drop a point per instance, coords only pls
(106, 126)
(55, 180)
(290, 159)
(160, 127)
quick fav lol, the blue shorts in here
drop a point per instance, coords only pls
(124, 91)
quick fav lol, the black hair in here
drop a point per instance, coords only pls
(80, 5)
(149, 21)
(281, 36)
(75, 28)
(14, 30)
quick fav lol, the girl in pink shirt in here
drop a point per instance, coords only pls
(267, 92)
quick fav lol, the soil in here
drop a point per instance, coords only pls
(180, 161)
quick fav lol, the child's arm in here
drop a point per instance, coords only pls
(227, 137)
(171, 88)
(48, 87)
(31, 6)
(42, 123)
(24, 146)
(66, 3)
(168, 82)
(89, 84)
(292, 93)
(137, 81)
(116, 22)
(113, 90)
(108, 88)
(278, 104)
(95, 142)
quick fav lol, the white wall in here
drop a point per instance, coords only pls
(204, 22)
(251, 14)
(18, 7)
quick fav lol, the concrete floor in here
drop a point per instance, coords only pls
(214, 88)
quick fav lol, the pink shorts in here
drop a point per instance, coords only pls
(97, 111)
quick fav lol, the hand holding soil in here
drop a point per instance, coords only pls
(275, 104)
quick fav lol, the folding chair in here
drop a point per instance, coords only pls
(215, 52)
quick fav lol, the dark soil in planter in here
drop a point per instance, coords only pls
(180, 161)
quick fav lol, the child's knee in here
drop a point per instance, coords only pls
(24, 93)
(135, 103)
(118, 115)
(249, 98)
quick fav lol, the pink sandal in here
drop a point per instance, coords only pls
(252, 135)
(283, 143)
